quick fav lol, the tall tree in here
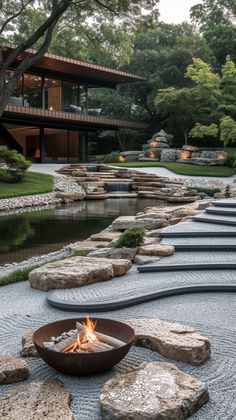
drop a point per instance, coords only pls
(216, 19)
(162, 56)
(65, 12)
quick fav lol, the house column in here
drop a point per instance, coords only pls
(41, 144)
(83, 139)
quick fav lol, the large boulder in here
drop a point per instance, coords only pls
(168, 155)
(87, 245)
(35, 401)
(73, 196)
(172, 340)
(12, 370)
(125, 222)
(189, 148)
(76, 272)
(153, 391)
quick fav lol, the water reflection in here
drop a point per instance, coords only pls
(36, 233)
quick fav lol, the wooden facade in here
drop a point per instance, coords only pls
(49, 109)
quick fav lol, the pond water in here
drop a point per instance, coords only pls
(40, 232)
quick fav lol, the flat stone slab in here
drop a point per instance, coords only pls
(126, 222)
(172, 340)
(105, 236)
(28, 347)
(157, 250)
(76, 272)
(47, 400)
(154, 391)
(88, 245)
(117, 253)
(145, 259)
(12, 369)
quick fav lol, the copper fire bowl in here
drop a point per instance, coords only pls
(87, 363)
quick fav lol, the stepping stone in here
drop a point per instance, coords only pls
(175, 341)
(157, 250)
(105, 236)
(76, 272)
(87, 245)
(116, 253)
(145, 259)
(126, 222)
(152, 391)
(28, 347)
(12, 370)
(222, 220)
(36, 401)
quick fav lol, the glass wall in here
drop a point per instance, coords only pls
(28, 138)
(52, 96)
(32, 86)
(61, 145)
(17, 96)
(55, 95)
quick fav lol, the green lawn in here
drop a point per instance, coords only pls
(33, 183)
(182, 168)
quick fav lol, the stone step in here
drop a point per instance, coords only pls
(121, 194)
(222, 211)
(225, 203)
(222, 220)
(205, 247)
(63, 301)
(187, 267)
(198, 234)
(189, 241)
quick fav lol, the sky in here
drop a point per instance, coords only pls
(175, 11)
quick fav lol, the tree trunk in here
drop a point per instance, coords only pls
(185, 133)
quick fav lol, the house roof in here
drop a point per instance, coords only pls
(81, 70)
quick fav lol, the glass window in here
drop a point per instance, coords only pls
(16, 97)
(32, 91)
(53, 94)
(71, 99)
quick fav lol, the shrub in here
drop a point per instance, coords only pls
(112, 157)
(14, 165)
(227, 191)
(131, 238)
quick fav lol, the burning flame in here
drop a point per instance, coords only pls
(89, 334)
(84, 337)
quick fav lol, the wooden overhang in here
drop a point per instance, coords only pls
(66, 120)
(52, 65)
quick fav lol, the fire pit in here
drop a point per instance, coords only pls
(83, 347)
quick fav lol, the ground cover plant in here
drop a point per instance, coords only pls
(131, 238)
(32, 183)
(182, 168)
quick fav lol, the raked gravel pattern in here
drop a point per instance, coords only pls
(211, 314)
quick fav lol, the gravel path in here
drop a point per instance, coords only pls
(212, 314)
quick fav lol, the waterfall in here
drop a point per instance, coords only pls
(119, 187)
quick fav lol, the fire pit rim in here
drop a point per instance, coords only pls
(73, 363)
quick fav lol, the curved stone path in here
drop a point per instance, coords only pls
(171, 275)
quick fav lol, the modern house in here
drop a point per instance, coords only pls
(48, 117)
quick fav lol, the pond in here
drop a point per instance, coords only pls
(40, 232)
